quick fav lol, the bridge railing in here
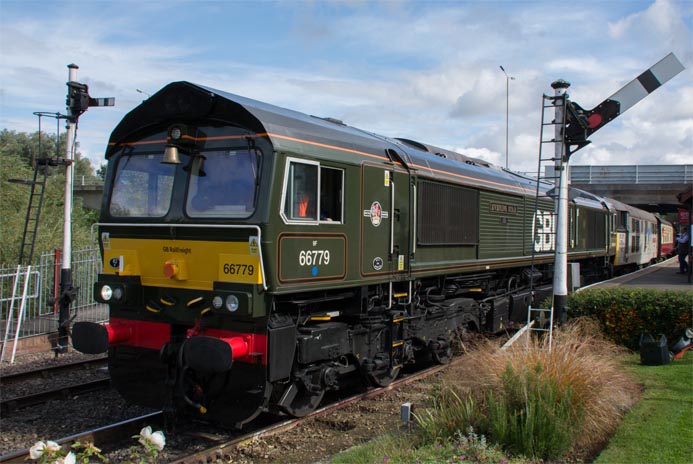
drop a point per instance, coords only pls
(637, 174)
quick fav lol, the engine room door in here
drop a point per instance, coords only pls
(384, 221)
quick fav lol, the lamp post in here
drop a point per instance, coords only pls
(507, 111)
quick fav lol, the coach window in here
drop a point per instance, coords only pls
(312, 194)
(622, 221)
(635, 236)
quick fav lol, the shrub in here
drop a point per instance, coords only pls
(626, 313)
(537, 401)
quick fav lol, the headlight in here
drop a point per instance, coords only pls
(232, 303)
(106, 292)
(217, 301)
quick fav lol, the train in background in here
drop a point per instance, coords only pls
(255, 258)
(641, 238)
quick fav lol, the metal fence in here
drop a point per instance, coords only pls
(630, 174)
(27, 295)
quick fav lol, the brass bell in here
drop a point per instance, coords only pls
(171, 155)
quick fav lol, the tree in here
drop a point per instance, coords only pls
(16, 153)
(101, 172)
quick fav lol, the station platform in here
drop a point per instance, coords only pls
(661, 276)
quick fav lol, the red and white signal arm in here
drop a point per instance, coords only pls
(586, 122)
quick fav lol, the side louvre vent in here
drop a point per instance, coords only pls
(448, 215)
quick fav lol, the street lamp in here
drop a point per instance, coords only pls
(507, 111)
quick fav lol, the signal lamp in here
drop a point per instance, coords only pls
(232, 303)
(175, 133)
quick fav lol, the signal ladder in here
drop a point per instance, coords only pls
(38, 188)
(545, 217)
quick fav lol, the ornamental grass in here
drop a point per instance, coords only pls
(537, 402)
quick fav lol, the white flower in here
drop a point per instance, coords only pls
(41, 447)
(37, 450)
(156, 439)
(159, 440)
(52, 446)
(69, 459)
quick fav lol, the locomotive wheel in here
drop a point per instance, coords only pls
(297, 401)
(385, 378)
(442, 355)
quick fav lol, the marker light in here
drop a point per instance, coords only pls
(232, 303)
(106, 292)
(175, 133)
(117, 293)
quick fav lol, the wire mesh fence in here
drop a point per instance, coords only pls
(28, 294)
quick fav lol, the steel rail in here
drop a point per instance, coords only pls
(51, 370)
(98, 436)
(8, 405)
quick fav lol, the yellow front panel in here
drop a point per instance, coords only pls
(200, 263)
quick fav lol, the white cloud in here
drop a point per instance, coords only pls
(426, 71)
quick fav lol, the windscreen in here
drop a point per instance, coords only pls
(222, 184)
(214, 174)
(142, 186)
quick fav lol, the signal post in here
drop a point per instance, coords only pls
(78, 101)
(573, 127)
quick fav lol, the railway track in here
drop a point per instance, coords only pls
(219, 450)
(104, 436)
(50, 371)
(9, 405)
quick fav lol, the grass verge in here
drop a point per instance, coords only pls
(659, 429)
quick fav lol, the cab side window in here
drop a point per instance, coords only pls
(312, 193)
(331, 194)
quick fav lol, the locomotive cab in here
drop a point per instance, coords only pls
(182, 270)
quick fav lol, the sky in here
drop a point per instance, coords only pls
(423, 70)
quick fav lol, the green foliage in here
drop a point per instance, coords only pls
(16, 150)
(531, 415)
(448, 415)
(409, 448)
(658, 428)
(528, 414)
(626, 313)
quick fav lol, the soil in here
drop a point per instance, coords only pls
(317, 439)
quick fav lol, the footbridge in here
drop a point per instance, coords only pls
(649, 187)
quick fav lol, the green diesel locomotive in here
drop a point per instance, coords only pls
(256, 257)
